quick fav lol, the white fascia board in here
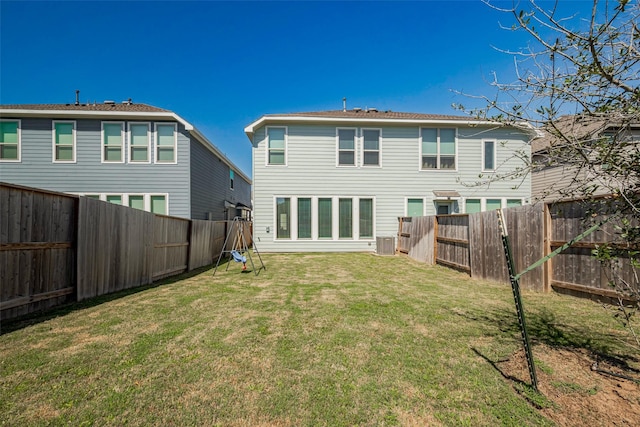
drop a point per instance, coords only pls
(136, 115)
(250, 129)
(209, 146)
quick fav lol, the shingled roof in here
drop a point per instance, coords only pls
(125, 106)
(371, 116)
(372, 113)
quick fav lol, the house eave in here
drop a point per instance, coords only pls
(110, 115)
(126, 115)
(283, 119)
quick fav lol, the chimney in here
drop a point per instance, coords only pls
(77, 97)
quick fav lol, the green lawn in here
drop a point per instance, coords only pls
(315, 340)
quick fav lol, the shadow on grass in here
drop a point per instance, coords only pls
(34, 318)
(543, 327)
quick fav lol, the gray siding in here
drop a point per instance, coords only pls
(88, 174)
(210, 185)
(311, 171)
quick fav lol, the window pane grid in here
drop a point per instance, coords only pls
(112, 142)
(165, 143)
(276, 146)
(438, 147)
(371, 147)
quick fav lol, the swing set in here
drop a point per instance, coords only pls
(239, 247)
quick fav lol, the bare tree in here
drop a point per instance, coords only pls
(578, 83)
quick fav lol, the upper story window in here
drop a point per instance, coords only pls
(438, 148)
(231, 177)
(9, 140)
(488, 155)
(166, 142)
(371, 147)
(346, 147)
(64, 141)
(277, 146)
(139, 142)
(112, 142)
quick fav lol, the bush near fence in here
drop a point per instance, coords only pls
(472, 243)
(57, 248)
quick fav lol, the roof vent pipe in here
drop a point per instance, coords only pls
(77, 97)
(344, 104)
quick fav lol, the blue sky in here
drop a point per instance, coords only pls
(221, 65)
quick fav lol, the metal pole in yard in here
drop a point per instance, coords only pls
(515, 287)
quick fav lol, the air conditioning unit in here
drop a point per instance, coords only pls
(386, 245)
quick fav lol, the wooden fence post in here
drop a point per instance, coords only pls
(547, 268)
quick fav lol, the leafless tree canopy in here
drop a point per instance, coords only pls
(578, 84)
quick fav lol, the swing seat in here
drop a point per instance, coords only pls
(238, 257)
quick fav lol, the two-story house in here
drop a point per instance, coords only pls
(127, 153)
(337, 180)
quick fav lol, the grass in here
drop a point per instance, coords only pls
(315, 340)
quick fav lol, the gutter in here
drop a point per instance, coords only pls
(265, 120)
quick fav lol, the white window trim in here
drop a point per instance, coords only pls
(19, 136)
(53, 141)
(130, 145)
(125, 198)
(356, 219)
(494, 155)
(406, 205)
(362, 150)
(155, 143)
(355, 147)
(438, 169)
(122, 139)
(286, 146)
(274, 226)
(335, 219)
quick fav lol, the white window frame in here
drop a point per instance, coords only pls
(130, 145)
(19, 136)
(335, 218)
(155, 143)
(274, 227)
(355, 148)
(406, 204)
(53, 141)
(125, 198)
(362, 149)
(166, 202)
(286, 146)
(484, 169)
(464, 202)
(438, 169)
(122, 139)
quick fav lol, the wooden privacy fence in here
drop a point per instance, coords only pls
(56, 248)
(472, 243)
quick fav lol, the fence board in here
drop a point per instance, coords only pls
(113, 248)
(35, 260)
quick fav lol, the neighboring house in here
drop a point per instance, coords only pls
(131, 154)
(337, 180)
(565, 167)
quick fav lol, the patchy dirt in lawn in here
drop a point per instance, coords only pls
(575, 393)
